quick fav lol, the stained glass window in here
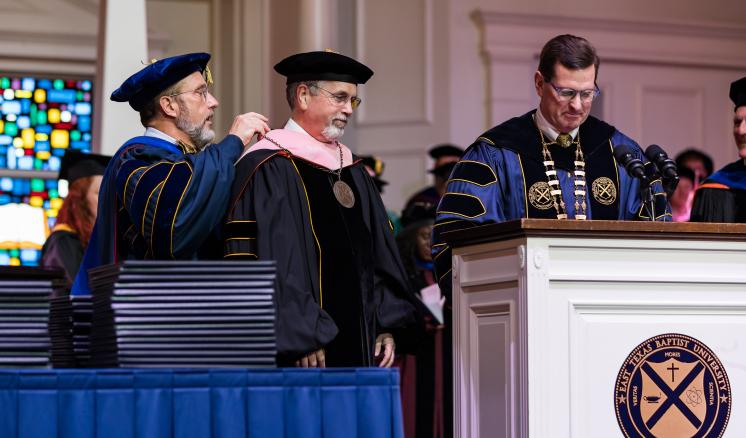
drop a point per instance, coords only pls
(40, 118)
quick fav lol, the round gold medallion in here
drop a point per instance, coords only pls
(344, 194)
(540, 196)
(604, 190)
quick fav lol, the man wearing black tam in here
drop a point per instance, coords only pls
(722, 197)
(446, 156)
(166, 191)
(303, 199)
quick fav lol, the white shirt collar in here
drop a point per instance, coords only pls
(292, 125)
(152, 132)
(548, 129)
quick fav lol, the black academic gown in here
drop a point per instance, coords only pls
(340, 279)
(63, 250)
(722, 196)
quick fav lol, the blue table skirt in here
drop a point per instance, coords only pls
(186, 403)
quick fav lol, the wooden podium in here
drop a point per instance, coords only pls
(548, 314)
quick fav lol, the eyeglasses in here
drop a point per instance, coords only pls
(568, 94)
(341, 98)
(202, 91)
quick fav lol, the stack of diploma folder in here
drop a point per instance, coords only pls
(24, 315)
(70, 329)
(183, 314)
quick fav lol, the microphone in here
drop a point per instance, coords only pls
(625, 155)
(666, 166)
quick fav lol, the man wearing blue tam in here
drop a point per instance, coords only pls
(164, 192)
(303, 199)
(722, 196)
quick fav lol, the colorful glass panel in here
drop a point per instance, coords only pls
(42, 193)
(40, 117)
(45, 116)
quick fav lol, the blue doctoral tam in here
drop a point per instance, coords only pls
(143, 86)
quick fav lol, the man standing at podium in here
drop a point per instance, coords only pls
(554, 162)
(722, 197)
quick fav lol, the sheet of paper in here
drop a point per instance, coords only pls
(433, 299)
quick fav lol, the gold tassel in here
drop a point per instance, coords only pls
(379, 167)
(208, 75)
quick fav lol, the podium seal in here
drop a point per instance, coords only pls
(672, 385)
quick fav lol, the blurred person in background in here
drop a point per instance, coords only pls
(681, 200)
(699, 162)
(722, 196)
(694, 167)
(414, 243)
(446, 156)
(374, 166)
(64, 248)
(422, 391)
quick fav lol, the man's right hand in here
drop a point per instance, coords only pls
(314, 359)
(245, 126)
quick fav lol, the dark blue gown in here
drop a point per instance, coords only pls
(493, 182)
(159, 202)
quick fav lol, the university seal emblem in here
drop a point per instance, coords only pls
(540, 196)
(604, 190)
(672, 385)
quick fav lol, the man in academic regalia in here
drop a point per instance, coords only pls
(164, 193)
(446, 156)
(722, 197)
(554, 162)
(301, 198)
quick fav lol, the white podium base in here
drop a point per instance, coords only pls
(543, 326)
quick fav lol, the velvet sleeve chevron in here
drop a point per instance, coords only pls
(240, 239)
(175, 201)
(473, 197)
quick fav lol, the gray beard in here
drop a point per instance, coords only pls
(199, 135)
(332, 133)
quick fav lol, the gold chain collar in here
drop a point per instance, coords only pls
(555, 188)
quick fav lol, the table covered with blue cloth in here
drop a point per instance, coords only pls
(184, 403)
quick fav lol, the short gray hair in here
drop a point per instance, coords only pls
(153, 107)
(292, 90)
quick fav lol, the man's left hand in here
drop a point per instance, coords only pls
(387, 341)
